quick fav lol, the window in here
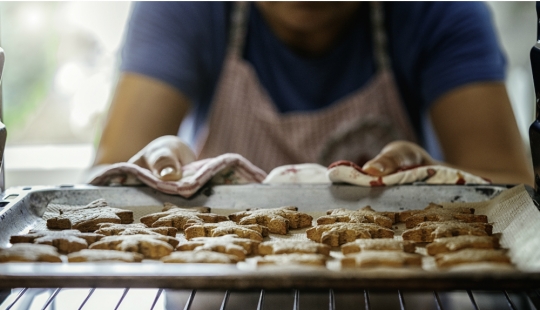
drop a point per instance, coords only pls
(61, 60)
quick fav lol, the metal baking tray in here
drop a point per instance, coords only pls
(21, 208)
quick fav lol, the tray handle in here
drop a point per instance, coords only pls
(534, 129)
(3, 130)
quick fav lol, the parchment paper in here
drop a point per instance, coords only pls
(517, 220)
(513, 213)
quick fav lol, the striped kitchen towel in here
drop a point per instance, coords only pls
(225, 169)
(347, 172)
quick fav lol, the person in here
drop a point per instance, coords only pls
(386, 85)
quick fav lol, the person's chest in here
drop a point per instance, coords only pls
(298, 83)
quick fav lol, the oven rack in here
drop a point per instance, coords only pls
(156, 299)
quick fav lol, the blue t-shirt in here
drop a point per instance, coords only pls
(434, 47)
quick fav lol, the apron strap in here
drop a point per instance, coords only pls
(238, 30)
(380, 40)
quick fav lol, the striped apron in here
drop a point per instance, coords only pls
(243, 119)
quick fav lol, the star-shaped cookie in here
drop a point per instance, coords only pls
(364, 215)
(200, 257)
(339, 233)
(366, 259)
(429, 231)
(202, 209)
(66, 241)
(228, 244)
(293, 246)
(452, 244)
(386, 244)
(89, 255)
(180, 218)
(468, 256)
(292, 259)
(111, 229)
(437, 213)
(86, 218)
(278, 220)
(28, 252)
(150, 246)
(252, 231)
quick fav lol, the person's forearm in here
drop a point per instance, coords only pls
(142, 110)
(478, 133)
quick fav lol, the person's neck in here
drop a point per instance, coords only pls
(310, 43)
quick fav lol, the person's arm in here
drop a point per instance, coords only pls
(457, 77)
(170, 59)
(477, 132)
(143, 109)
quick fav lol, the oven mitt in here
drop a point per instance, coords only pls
(348, 172)
(224, 169)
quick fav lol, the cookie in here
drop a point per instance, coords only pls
(367, 259)
(339, 233)
(228, 244)
(293, 246)
(111, 229)
(364, 215)
(88, 255)
(180, 218)
(65, 241)
(361, 245)
(28, 252)
(201, 209)
(86, 218)
(404, 215)
(429, 231)
(150, 246)
(452, 244)
(466, 256)
(292, 259)
(253, 231)
(437, 213)
(278, 220)
(126, 216)
(205, 257)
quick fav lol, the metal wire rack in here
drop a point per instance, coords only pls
(156, 299)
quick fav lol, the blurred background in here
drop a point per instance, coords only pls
(61, 60)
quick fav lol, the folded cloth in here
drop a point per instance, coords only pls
(225, 169)
(300, 173)
(348, 172)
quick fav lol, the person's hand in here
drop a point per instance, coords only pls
(164, 157)
(397, 155)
